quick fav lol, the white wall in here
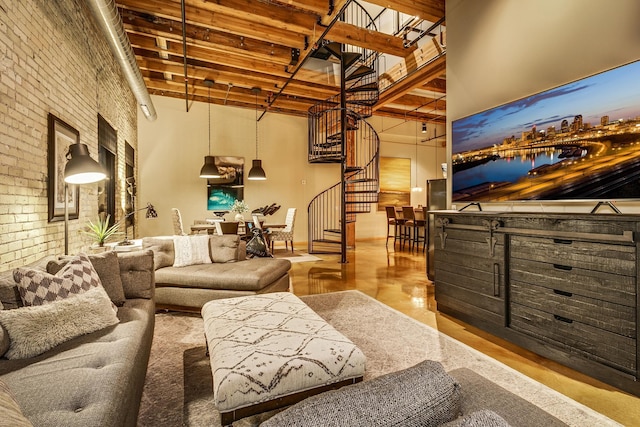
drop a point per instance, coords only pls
(172, 150)
(502, 50)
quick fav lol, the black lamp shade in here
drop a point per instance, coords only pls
(81, 168)
(151, 212)
(209, 169)
(257, 173)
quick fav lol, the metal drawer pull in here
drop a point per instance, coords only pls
(562, 319)
(496, 279)
(562, 241)
(563, 293)
(562, 267)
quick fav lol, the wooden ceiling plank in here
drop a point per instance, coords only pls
(429, 71)
(319, 7)
(384, 43)
(429, 10)
(205, 37)
(215, 21)
(253, 11)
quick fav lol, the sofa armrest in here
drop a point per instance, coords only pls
(137, 274)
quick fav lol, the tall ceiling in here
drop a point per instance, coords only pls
(269, 44)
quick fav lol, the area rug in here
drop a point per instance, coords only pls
(178, 385)
(296, 256)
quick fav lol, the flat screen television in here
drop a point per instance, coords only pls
(578, 141)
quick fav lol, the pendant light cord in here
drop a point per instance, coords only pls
(256, 92)
(209, 96)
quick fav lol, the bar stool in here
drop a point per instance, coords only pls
(409, 226)
(420, 225)
(392, 221)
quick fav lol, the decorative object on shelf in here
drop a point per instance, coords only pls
(256, 173)
(239, 207)
(209, 169)
(100, 231)
(151, 213)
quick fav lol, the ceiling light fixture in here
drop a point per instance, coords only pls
(256, 173)
(424, 127)
(209, 169)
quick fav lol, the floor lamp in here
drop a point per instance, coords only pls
(80, 169)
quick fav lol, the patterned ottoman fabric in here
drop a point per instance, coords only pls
(263, 347)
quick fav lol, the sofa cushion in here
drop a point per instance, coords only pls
(39, 287)
(136, 273)
(224, 248)
(102, 374)
(11, 412)
(9, 294)
(248, 275)
(108, 269)
(190, 250)
(422, 395)
(162, 247)
(36, 329)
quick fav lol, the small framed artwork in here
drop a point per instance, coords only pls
(60, 136)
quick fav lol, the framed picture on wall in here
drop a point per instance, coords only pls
(223, 191)
(60, 136)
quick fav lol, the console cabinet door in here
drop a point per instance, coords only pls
(470, 279)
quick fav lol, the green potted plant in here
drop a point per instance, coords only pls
(239, 207)
(100, 231)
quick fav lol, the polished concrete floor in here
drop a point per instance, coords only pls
(399, 280)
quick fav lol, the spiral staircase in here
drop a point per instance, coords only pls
(338, 133)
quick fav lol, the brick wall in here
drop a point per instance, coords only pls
(53, 60)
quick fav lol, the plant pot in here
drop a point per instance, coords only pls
(239, 217)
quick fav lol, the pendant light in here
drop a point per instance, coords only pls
(417, 188)
(209, 169)
(256, 173)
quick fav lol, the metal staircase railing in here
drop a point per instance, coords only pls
(338, 133)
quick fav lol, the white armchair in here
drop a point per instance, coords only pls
(286, 234)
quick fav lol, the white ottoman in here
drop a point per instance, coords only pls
(271, 350)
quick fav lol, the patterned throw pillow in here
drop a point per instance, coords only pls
(191, 250)
(39, 287)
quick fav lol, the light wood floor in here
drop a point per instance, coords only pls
(399, 280)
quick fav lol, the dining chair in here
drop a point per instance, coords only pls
(178, 229)
(286, 234)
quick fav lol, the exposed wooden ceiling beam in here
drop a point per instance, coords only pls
(429, 10)
(373, 40)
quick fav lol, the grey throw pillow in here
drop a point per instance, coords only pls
(108, 268)
(224, 248)
(163, 252)
(422, 395)
(137, 273)
(36, 329)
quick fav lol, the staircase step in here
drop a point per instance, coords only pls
(349, 58)
(359, 180)
(329, 158)
(328, 241)
(328, 144)
(321, 53)
(370, 102)
(332, 230)
(334, 48)
(350, 169)
(359, 192)
(359, 72)
(364, 88)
